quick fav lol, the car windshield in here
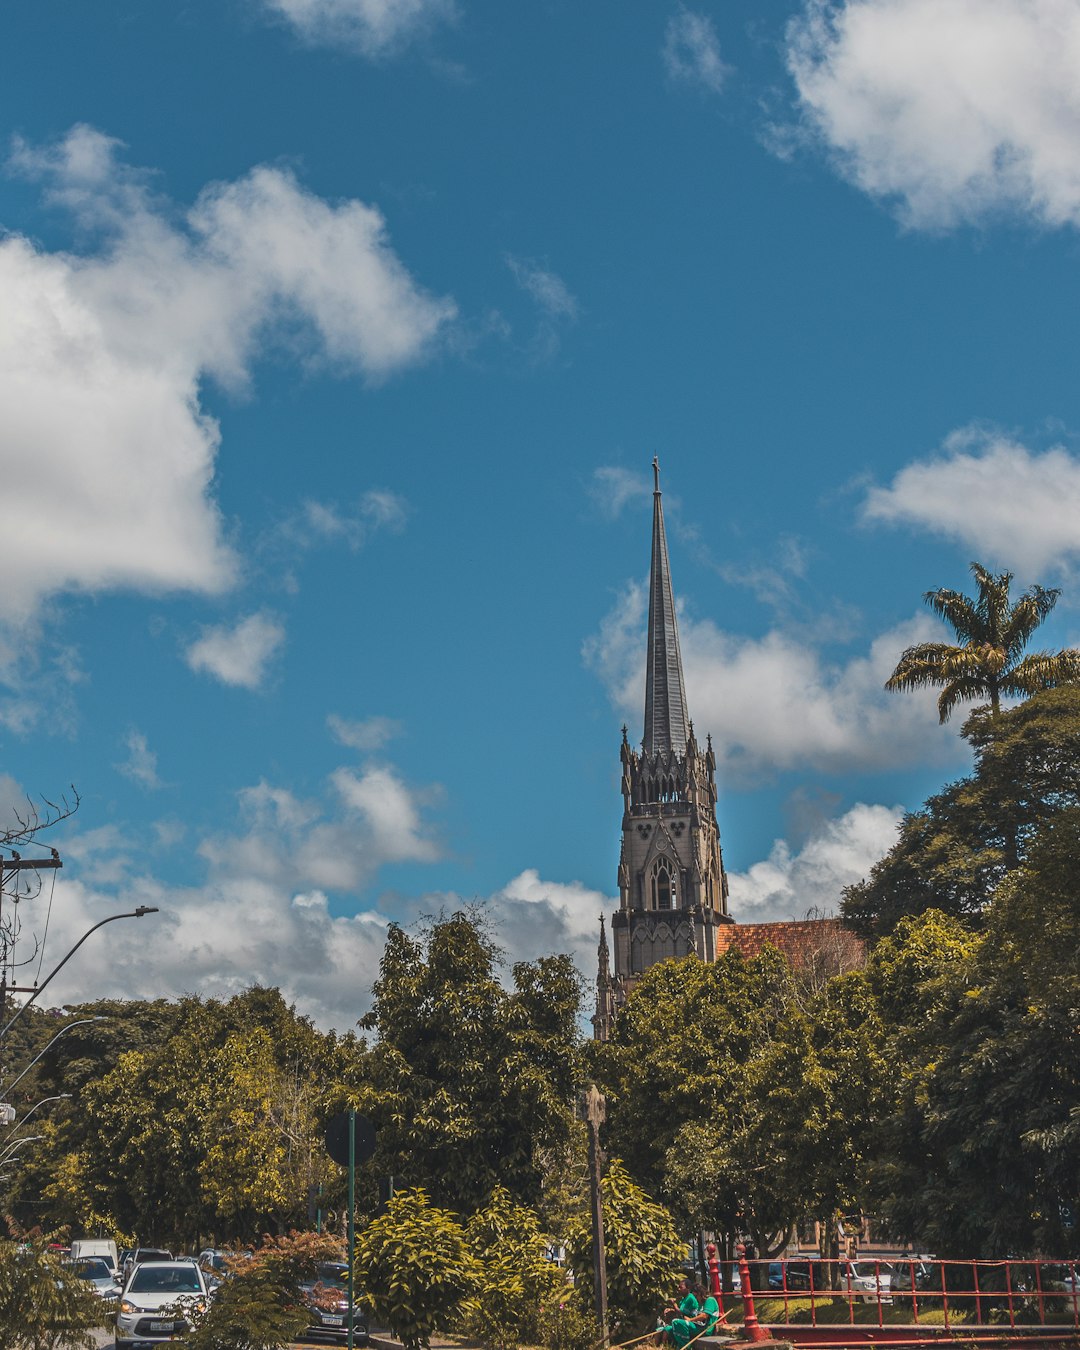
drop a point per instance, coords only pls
(867, 1269)
(93, 1269)
(165, 1280)
(334, 1277)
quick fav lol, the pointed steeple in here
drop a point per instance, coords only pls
(666, 723)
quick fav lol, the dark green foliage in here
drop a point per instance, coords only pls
(954, 852)
(249, 1312)
(982, 1153)
(470, 1085)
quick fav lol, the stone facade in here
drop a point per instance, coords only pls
(672, 886)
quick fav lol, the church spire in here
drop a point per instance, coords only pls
(666, 724)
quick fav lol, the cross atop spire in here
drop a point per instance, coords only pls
(666, 723)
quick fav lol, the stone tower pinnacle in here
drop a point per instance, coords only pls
(672, 886)
(666, 721)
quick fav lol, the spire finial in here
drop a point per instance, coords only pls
(656, 472)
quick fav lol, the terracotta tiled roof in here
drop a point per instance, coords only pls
(805, 942)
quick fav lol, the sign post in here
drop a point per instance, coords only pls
(352, 1215)
(350, 1139)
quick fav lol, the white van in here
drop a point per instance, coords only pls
(105, 1248)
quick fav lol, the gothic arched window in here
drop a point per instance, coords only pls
(663, 885)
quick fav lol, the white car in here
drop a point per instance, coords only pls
(157, 1299)
(97, 1273)
(870, 1280)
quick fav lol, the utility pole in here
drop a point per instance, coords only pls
(9, 931)
(595, 1115)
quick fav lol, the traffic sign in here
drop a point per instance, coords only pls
(337, 1138)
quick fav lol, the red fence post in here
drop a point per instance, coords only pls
(715, 1287)
(750, 1323)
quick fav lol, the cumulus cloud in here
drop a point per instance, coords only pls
(775, 703)
(372, 733)
(109, 457)
(263, 913)
(141, 763)
(373, 28)
(691, 51)
(789, 884)
(1002, 501)
(239, 655)
(955, 109)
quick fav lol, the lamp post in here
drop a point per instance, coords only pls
(60, 1097)
(82, 1022)
(136, 913)
(11, 1149)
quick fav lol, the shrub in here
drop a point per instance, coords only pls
(518, 1277)
(415, 1268)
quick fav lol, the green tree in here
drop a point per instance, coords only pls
(470, 1085)
(953, 853)
(416, 1268)
(981, 1152)
(682, 1073)
(41, 1306)
(987, 662)
(641, 1245)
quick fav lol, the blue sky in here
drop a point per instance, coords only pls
(338, 338)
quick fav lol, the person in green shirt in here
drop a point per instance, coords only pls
(702, 1322)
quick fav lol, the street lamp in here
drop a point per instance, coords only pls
(83, 1022)
(60, 1097)
(136, 913)
(9, 1152)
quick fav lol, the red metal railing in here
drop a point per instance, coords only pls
(997, 1296)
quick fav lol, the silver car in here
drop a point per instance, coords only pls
(157, 1301)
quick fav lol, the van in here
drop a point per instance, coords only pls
(105, 1248)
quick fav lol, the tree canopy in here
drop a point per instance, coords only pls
(988, 661)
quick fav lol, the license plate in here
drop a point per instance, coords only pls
(333, 1321)
(162, 1326)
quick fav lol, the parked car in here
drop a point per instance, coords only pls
(157, 1299)
(327, 1300)
(871, 1280)
(98, 1273)
(138, 1254)
(795, 1276)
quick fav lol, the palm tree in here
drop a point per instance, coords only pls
(988, 662)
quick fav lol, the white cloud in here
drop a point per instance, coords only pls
(329, 522)
(370, 734)
(108, 456)
(240, 655)
(263, 914)
(372, 27)
(691, 51)
(1003, 502)
(788, 885)
(614, 488)
(956, 109)
(542, 285)
(141, 763)
(776, 703)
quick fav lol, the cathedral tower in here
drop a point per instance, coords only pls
(672, 887)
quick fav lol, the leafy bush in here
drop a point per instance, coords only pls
(518, 1277)
(642, 1249)
(43, 1306)
(415, 1268)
